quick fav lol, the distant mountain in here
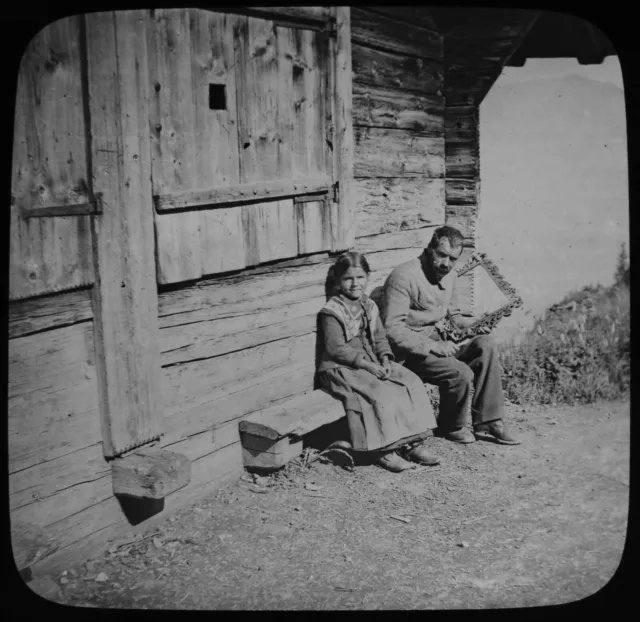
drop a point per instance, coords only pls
(554, 184)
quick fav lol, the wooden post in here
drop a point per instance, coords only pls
(344, 222)
(125, 293)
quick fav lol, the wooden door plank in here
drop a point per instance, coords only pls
(313, 220)
(173, 136)
(257, 98)
(344, 225)
(125, 295)
(50, 166)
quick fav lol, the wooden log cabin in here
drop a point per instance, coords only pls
(182, 179)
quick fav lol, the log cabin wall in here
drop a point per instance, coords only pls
(398, 120)
(477, 45)
(233, 325)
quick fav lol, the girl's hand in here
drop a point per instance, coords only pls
(375, 369)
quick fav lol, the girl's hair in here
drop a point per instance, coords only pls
(345, 261)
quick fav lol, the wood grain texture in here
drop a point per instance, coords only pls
(313, 221)
(53, 403)
(462, 191)
(398, 204)
(87, 534)
(399, 240)
(297, 416)
(312, 13)
(270, 231)
(50, 166)
(125, 296)
(394, 71)
(469, 86)
(381, 152)
(379, 107)
(415, 15)
(464, 218)
(150, 473)
(461, 124)
(478, 54)
(384, 32)
(492, 23)
(462, 160)
(46, 312)
(344, 149)
(173, 137)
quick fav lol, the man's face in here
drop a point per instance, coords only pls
(443, 257)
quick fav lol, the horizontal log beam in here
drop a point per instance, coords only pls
(241, 193)
(396, 71)
(382, 152)
(384, 32)
(150, 474)
(414, 15)
(34, 315)
(398, 204)
(382, 107)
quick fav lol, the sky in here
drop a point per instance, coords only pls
(554, 192)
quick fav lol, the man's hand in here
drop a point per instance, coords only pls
(386, 364)
(444, 348)
(373, 368)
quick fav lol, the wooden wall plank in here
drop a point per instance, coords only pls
(125, 303)
(222, 242)
(392, 204)
(398, 240)
(53, 404)
(50, 254)
(492, 23)
(384, 32)
(462, 191)
(104, 522)
(256, 66)
(171, 116)
(312, 13)
(416, 15)
(462, 160)
(313, 220)
(344, 149)
(469, 86)
(206, 339)
(47, 312)
(464, 218)
(378, 107)
(461, 124)
(478, 54)
(395, 71)
(382, 152)
(270, 231)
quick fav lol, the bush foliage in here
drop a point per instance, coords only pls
(578, 352)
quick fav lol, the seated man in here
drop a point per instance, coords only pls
(415, 297)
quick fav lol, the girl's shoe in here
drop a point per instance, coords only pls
(392, 461)
(421, 455)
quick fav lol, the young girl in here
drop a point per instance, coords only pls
(388, 410)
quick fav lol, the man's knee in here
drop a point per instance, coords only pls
(486, 344)
(463, 375)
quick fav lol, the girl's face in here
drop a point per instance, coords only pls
(353, 283)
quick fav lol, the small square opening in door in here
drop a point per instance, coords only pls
(217, 97)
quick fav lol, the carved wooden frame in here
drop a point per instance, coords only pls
(488, 320)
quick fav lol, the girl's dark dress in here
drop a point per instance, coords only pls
(382, 414)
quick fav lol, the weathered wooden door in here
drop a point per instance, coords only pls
(244, 159)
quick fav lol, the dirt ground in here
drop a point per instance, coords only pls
(491, 527)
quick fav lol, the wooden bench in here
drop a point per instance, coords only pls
(273, 437)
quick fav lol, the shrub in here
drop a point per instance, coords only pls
(578, 352)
